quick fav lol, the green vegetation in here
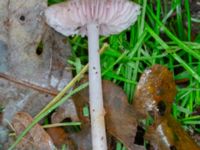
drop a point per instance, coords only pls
(162, 35)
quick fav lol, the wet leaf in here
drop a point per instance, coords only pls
(169, 135)
(156, 89)
(37, 138)
(121, 120)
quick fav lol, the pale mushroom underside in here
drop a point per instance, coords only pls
(72, 17)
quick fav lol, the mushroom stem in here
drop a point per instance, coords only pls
(95, 90)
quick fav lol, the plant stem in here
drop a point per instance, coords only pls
(95, 90)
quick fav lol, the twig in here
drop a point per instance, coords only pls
(28, 84)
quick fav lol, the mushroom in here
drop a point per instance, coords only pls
(93, 18)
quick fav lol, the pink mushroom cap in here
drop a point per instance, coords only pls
(72, 17)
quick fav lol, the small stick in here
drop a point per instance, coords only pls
(28, 84)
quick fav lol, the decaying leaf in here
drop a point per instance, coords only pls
(169, 135)
(155, 92)
(156, 89)
(37, 138)
(31, 53)
(60, 138)
(121, 121)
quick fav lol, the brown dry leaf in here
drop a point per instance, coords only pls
(31, 52)
(169, 135)
(120, 118)
(156, 89)
(60, 137)
(36, 138)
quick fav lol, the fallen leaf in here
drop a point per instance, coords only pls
(156, 89)
(169, 135)
(37, 138)
(121, 120)
(31, 53)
